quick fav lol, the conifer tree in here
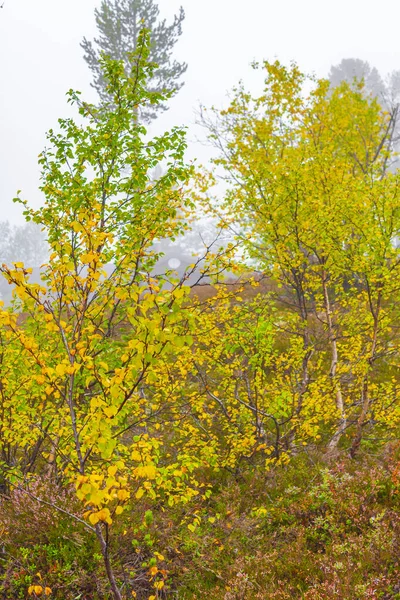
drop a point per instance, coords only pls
(119, 23)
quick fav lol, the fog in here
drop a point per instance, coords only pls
(41, 59)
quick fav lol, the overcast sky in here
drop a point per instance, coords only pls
(41, 59)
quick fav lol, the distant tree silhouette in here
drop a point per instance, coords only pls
(350, 69)
(386, 91)
(119, 23)
(25, 243)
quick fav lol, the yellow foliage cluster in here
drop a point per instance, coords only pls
(131, 386)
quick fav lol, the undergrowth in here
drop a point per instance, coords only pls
(313, 529)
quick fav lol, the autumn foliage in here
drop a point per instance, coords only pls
(135, 409)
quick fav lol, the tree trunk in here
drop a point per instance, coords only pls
(333, 369)
(365, 397)
(106, 557)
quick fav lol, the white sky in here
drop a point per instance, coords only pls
(40, 59)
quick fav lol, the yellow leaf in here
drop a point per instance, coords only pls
(110, 411)
(114, 391)
(76, 226)
(93, 518)
(104, 515)
(139, 493)
(179, 293)
(148, 471)
(159, 556)
(136, 456)
(159, 585)
(60, 370)
(122, 495)
(86, 258)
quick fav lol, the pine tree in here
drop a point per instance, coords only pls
(119, 23)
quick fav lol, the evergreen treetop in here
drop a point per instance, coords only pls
(119, 23)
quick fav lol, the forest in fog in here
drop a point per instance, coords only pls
(199, 364)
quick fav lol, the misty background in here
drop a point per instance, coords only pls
(41, 58)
